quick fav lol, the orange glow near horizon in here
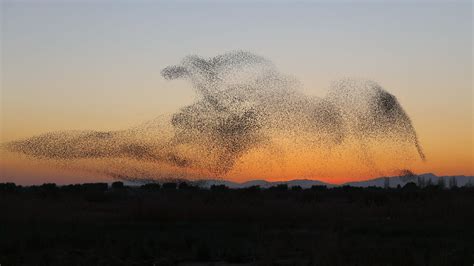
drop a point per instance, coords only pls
(254, 165)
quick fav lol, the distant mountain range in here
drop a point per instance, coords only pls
(392, 181)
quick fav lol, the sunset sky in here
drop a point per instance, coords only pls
(88, 65)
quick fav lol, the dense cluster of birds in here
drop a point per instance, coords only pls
(243, 104)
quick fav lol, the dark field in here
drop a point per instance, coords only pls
(152, 225)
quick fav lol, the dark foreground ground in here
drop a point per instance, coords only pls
(95, 225)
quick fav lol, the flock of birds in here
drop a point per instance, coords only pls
(243, 105)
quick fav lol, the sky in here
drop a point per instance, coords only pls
(96, 65)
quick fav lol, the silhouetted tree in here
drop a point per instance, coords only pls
(8, 187)
(97, 186)
(151, 186)
(117, 185)
(280, 187)
(49, 189)
(183, 185)
(72, 188)
(296, 188)
(410, 186)
(49, 186)
(219, 187)
(319, 187)
(169, 186)
(252, 189)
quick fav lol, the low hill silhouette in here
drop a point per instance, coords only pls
(394, 181)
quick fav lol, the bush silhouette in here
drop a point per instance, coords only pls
(410, 186)
(280, 187)
(219, 187)
(169, 186)
(89, 225)
(151, 186)
(117, 185)
(8, 187)
(318, 188)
